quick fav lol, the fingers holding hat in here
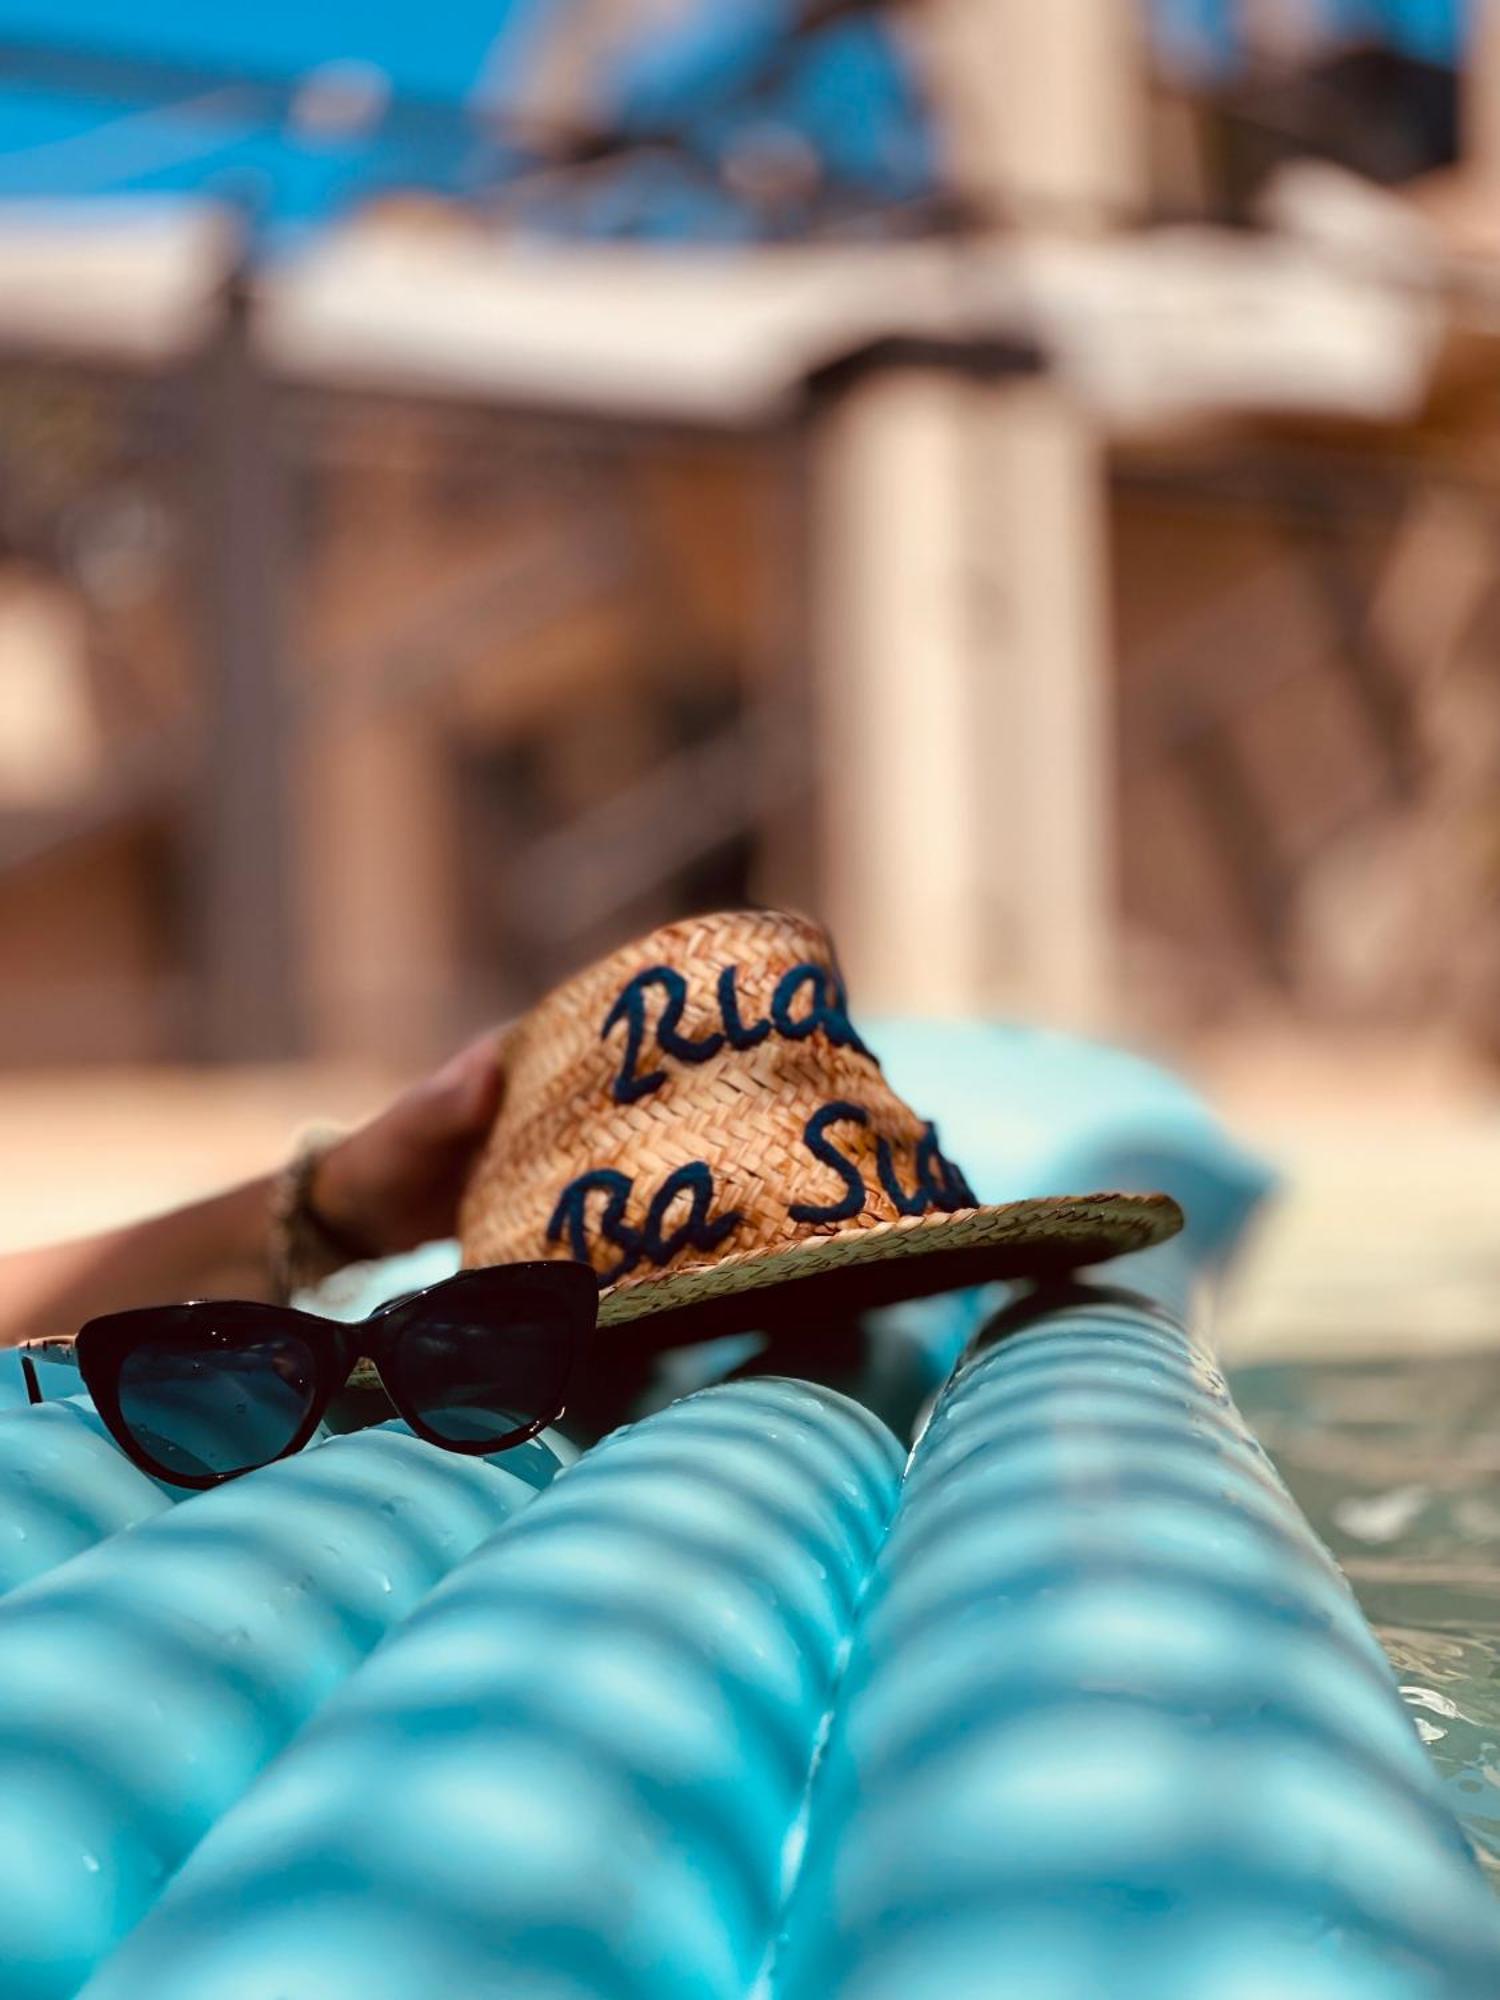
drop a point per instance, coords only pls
(396, 1180)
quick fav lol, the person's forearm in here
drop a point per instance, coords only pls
(389, 1185)
(212, 1249)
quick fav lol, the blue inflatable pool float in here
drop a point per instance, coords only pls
(1070, 1706)
(1114, 1723)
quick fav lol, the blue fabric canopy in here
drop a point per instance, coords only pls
(188, 100)
(179, 98)
(1207, 36)
(435, 52)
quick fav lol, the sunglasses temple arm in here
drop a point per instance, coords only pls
(61, 1352)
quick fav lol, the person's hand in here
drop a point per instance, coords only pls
(396, 1181)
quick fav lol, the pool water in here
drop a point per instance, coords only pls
(1397, 1465)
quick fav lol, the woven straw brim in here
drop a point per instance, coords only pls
(871, 1265)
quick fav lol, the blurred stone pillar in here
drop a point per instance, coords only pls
(966, 698)
(1042, 107)
(248, 1002)
(381, 886)
(1043, 728)
(902, 823)
(1481, 94)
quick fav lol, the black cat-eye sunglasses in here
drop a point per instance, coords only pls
(199, 1393)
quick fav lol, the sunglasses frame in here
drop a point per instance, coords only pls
(337, 1346)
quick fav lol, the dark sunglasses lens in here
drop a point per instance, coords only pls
(479, 1363)
(214, 1397)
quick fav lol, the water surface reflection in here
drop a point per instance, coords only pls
(1397, 1465)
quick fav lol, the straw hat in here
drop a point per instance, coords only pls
(697, 1118)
